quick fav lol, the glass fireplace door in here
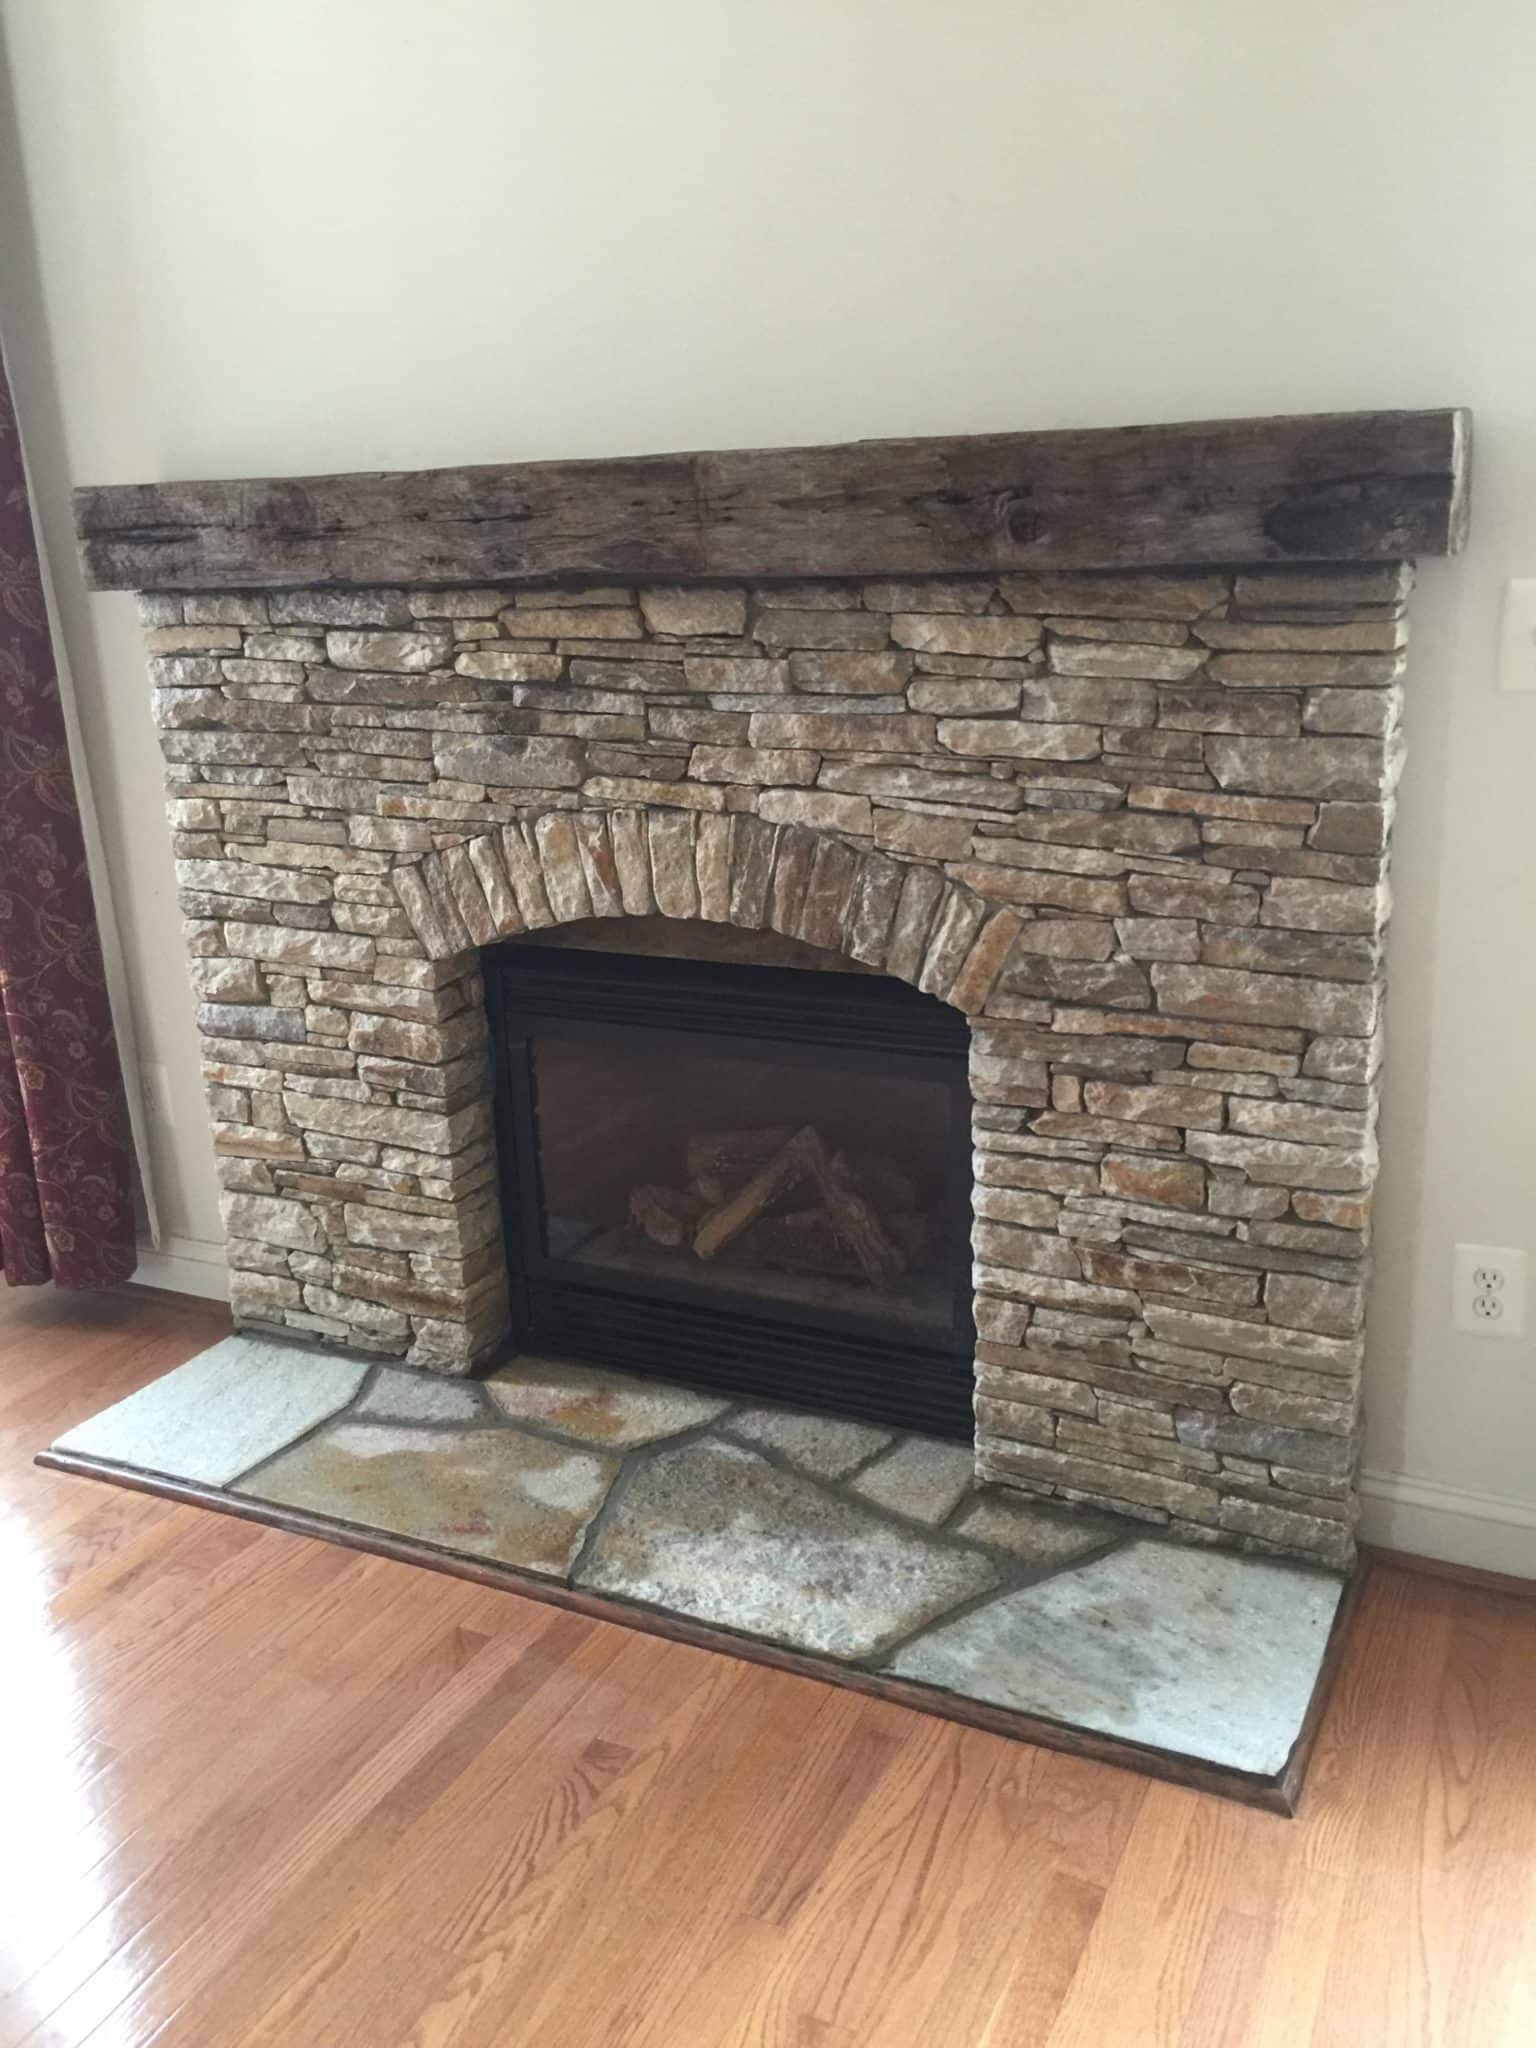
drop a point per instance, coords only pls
(748, 1178)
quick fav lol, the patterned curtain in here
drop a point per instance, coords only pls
(66, 1177)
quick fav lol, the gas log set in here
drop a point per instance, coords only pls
(784, 1197)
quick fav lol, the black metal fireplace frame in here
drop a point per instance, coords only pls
(739, 1344)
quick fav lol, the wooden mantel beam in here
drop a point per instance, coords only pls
(1322, 487)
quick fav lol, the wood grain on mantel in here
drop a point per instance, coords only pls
(1322, 487)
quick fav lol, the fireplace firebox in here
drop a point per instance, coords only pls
(748, 1178)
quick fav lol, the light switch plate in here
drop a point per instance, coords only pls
(1517, 642)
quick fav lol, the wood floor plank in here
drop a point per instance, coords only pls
(274, 1794)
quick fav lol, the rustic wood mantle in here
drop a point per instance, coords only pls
(1323, 487)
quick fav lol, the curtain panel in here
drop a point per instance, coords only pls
(66, 1173)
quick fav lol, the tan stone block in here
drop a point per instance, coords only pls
(569, 620)
(1300, 1351)
(1028, 1206)
(955, 928)
(921, 833)
(1019, 738)
(828, 894)
(1307, 1123)
(1342, 1212)
(794, 856)
(1093, 699)
(1168, 1183)
(1122, 831)
(930, 594)
(735, 675)
(1306, 905)
(848, 732)
(673, 839)
(753, 765)
(636, 789)
(1305, 671)
(784, 628)
(1108, 594)
(271, 1220)
(959, 696)
(1303, 1303)
(1319, 956)
(683, 612)
(1276, 1162)
(1291, 1410)
(852, 674)
(1110, 1481)
(1331, 1542)
(990, 950)
(1375, 713)
(1154, 632)
(1220, 1286)
(1066, 938)
(871, 918)
(1045, 888)
(1236, 996)
(1100, 1130)
(956, 633)
(1129, 658)
(1193, 1108)
(1352, 828)
(922, 892)
(194, 639)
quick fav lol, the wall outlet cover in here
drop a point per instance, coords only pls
(1489, 1297)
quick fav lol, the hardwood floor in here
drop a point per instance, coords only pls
(259, 1790)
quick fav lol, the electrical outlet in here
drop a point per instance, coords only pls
(154, 1093)
(1490, 1290)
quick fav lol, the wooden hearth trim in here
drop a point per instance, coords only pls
(1321, 487)
(1279, 1794)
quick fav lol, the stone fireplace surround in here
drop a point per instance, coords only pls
(1124, 804)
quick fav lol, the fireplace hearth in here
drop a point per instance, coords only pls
(747, 1178)
(1073, 754)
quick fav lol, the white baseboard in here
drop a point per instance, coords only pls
(1421, 1516)
(185, 1265)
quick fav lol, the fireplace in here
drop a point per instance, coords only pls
(1075, 753)
(748, 1178)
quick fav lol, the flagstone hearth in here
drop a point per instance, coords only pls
(868, 1556)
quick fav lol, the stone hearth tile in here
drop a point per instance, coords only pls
(715, 1531)
(397, 1396)
(494, 1493)
(222, 1412)
(823, 1445)
(597, 1406)
(922, 1477)
(1035, 1535)
(1208, 1653)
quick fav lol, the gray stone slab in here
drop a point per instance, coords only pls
(922, 1478)
(494, 1493)
(824, 1445)
(1035, 1536)
(597, 1406)
(222, 1412)
(397, 1396)
(1204, 1652)
(715, 1531)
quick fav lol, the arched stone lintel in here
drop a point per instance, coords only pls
(905, 917)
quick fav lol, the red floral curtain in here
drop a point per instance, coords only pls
(66, 1175)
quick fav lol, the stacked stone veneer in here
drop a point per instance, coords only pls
(1134, 825)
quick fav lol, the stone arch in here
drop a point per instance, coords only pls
(906, 917)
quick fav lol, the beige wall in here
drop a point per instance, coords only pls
(336, 234)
